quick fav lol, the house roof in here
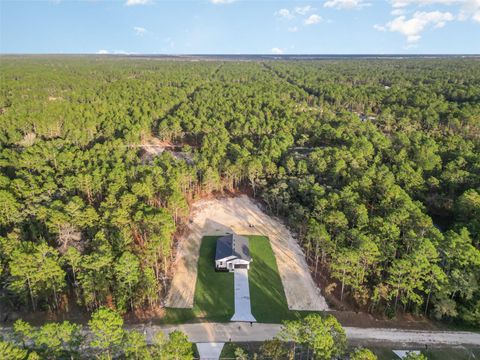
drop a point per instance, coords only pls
(233, 245)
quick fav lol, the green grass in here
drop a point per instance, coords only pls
(267, 296)
(214, 291)
(454, 353)
(228, 351)
(268, 301)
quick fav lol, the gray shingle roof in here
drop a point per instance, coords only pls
(224, 247)
(233, 245)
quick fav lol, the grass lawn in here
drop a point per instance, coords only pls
(267, 297)
(228, 351)
(383, 353)
(268, 301)
(214, 292)
(457, 353)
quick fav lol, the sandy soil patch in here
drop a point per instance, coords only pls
(154, 147)
(226, 215)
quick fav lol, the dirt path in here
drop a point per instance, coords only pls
(243, 332)
(219, 216)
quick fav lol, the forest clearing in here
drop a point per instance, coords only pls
(361, 197)
(242, 215)
(109, 195)
(214, 291)
(240, 180)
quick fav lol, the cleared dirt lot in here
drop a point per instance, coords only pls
(236, 214)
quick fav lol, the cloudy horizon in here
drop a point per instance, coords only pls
(241, 27)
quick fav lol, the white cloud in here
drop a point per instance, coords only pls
(218, 2)
(303, 10)
(114, 52)
(137, 2)
(398, 12)
(139, 30)
(284, 13)
(300, 13)
(313, 19)
(277, 51)
(346, 4)
(413, 27)
(405, 3)
(299, 10)
(469, 9)
(121, 52)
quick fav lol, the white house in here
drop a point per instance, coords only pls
(232, 253)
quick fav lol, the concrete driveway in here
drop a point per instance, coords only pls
(209, 351)
(243, 310)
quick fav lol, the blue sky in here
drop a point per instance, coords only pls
(240, 26)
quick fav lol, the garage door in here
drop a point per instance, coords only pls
(241, 266)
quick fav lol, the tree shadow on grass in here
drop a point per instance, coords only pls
(214, 293)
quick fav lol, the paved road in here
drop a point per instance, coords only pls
(243, 310)
(223, 332)
(241, 331)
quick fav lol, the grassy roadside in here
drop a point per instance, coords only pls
(383, 353)
(438, 353)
